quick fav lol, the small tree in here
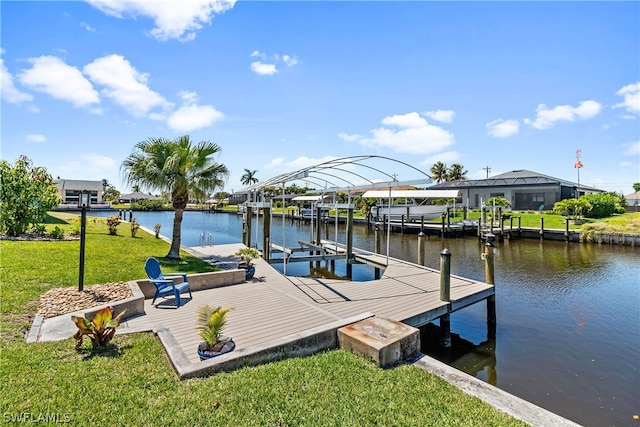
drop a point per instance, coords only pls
(636, 186)
(574, 208)
(498, 201)
(26, 194)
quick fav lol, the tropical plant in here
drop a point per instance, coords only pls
(439, 172)
(134, 227)
(498, 201)
(100, 330)
(211, 323)
(180, 167)
(26, 194)
(57, 233)
(249, 177)
(574, 208)
(456, 173)
(248, 254)
(364, 204)
(603, 205)
(112, 223)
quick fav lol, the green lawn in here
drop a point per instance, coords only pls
(133, 383)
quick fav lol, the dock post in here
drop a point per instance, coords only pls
(246, 226)
(421, 248)
(519, 226)
(443, 224)
(510, 227)
(349, 242)
(402, 225)
(566, 229)
(266, 233)
(445, 291)
(490, 280)
(541, 228)
(377, 248)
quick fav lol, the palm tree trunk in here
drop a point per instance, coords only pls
(174, 252)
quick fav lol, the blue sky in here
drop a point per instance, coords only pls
(283, 85)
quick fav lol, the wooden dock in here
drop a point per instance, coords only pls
(273, 306)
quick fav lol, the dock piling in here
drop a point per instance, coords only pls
(421, 248)
(445, 291)
(488, 257)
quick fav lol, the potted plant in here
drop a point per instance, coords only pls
(247, 255)
(211, 322)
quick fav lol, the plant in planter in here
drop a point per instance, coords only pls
(247, 255)
(211, 322)
(156, 228)
(100, 330)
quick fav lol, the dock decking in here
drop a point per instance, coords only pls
(273, 306)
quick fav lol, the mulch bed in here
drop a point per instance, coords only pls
(59, 301)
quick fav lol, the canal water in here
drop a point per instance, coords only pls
(568, 314)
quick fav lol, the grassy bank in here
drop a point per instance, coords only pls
(32, 268)
(133, 384)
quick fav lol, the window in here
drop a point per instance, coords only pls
(497, 195)
(538, 197)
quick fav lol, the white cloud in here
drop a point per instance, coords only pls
(631, 148)
(88, 27)
(631, 94)
(410, 133)
(125, 85)
(546, 117)
(91, 166)
(36, 137)
(9, 92)
(349, 137)
(277, 162)
(173, 19)
(263, 69)
(445, 116)
(503, 128)
(267, 65)
(289, 60)
(625, 164)
(53, 77)
(192, 116)
(445, 157)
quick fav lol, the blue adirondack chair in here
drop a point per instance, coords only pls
(165, 286)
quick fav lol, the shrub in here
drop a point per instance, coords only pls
(27, 192)
(134, 227)
(572, 207)
(75, 227)
(57, 233)
(498, 201)
(113, 222)
(603, 205)
(38, 229)
(147, 205)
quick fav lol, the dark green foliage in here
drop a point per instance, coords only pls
(603, 205)
(148, 205)
(26, 194)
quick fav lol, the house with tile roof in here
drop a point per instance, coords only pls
(526, 190)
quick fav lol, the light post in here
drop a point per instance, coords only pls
(84, 203)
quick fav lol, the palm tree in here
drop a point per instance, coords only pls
(249, 177)
(456, 173)
(439, 172)
(177, 166)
